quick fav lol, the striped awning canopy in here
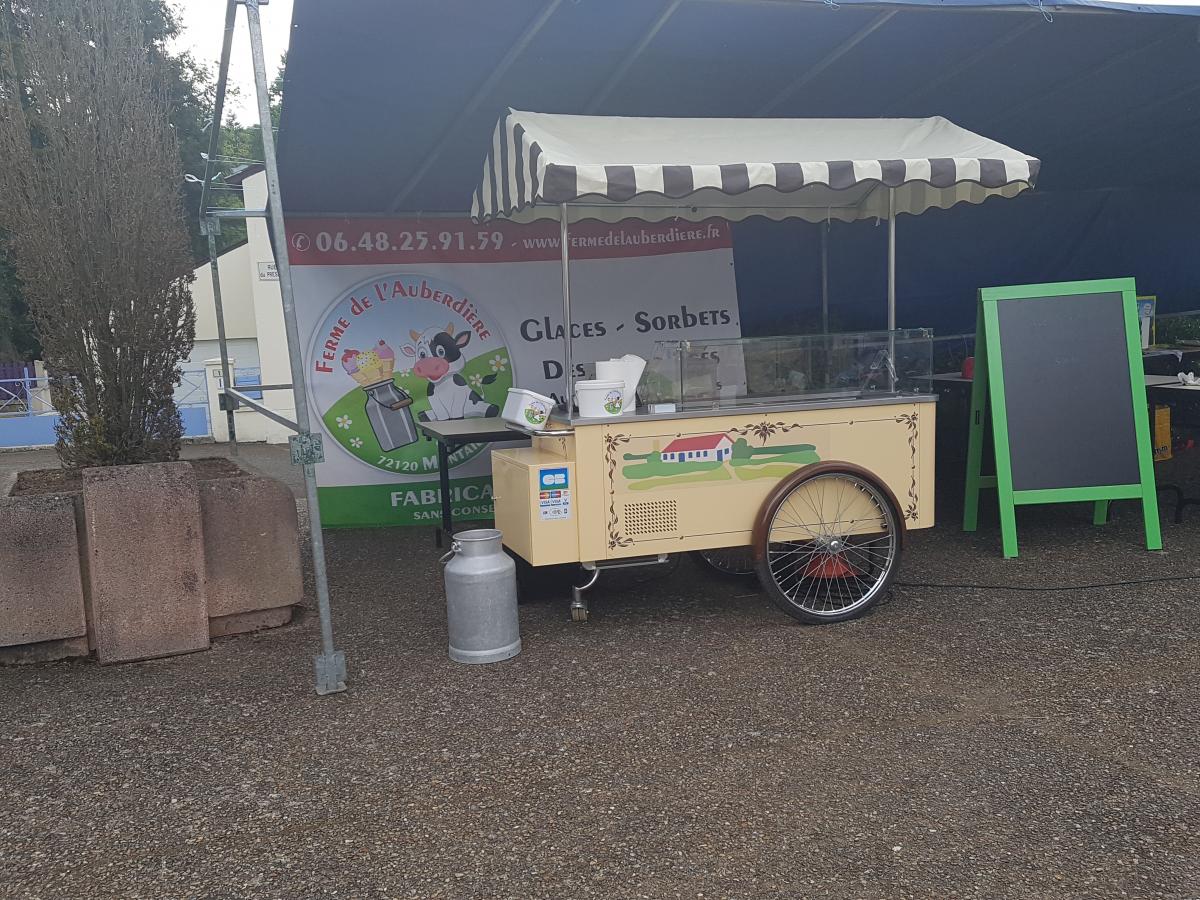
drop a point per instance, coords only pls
(613, 167)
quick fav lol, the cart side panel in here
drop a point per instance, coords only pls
(563, 446)
(926, 430)
(536, 510)
(896, 445)
(510, 496)
(697, 483)
(592, 492)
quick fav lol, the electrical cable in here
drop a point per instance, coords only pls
(1040, 589)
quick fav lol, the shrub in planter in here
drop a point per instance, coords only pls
(91, 207)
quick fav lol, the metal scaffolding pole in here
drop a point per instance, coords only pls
(211, 227)
(209, 224)
(306, 447)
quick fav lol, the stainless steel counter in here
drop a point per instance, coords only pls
(559, 420)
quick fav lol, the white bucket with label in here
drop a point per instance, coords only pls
(599, 399)
(526, 408)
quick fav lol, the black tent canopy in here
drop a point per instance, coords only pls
(390, 108)
(390, 104)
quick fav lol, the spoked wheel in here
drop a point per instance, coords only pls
(728, 562)
(828, 542)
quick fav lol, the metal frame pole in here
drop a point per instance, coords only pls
(568, 357)
(331, 663)
(892, 289)
(212, 227)
(825, 278)
(214, 134)
(208, 224)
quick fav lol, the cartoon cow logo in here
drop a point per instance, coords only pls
(439, 360)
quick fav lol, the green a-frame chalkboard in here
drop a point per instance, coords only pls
(1059, 368)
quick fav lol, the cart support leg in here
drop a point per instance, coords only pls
(579, 606)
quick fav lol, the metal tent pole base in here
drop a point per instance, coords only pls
(331, 672)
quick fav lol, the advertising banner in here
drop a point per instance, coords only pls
(449, 315)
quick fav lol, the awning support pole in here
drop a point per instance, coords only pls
(226, 374)
(568, 361)
(331, 663)
(891, 289)
(825, 278)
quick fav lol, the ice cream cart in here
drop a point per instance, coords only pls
(815, 452)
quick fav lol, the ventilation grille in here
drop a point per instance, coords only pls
(652, 517)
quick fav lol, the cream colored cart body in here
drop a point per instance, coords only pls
(600, 493)
(580, 497)
(820, 489)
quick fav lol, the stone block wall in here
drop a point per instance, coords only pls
(145, 561)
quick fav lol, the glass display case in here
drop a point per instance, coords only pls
(718, 372)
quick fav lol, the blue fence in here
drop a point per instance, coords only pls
(28, 419)
(191, 396)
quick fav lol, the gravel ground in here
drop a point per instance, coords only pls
(689, 741)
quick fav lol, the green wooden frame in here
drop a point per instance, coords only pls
(988, 391)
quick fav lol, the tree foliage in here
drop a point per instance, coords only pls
(90, 200)
(18, 337)
(189, 85)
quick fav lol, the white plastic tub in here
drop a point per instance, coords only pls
(599, 399)
(526, 408)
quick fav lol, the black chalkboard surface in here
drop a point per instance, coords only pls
(1067, 391)
(1058, 376)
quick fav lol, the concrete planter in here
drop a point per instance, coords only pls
(251, 553)
(145, 561)
(41, 585)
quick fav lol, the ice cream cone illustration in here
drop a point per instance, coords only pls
(387, 357)
(388, 406)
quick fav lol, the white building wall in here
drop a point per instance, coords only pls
(237, 299)
(268, 312)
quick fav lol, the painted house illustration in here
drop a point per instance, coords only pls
(704, 448)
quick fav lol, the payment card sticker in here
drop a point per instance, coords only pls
(554, 495)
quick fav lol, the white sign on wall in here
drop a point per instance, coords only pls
(449, 315)
(267, 272)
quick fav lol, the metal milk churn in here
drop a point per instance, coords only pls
(481, 598)
(389, 410)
